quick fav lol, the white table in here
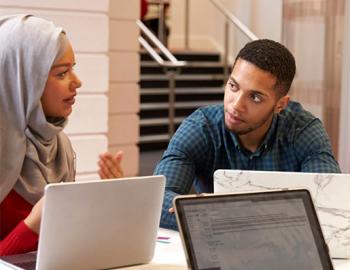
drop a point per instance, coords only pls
(169, 255)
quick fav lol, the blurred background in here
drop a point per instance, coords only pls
(137, 88)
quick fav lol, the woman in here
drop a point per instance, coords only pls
(37, 92)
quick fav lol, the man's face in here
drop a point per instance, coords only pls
(250, 99)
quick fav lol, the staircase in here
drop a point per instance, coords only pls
(198, 84)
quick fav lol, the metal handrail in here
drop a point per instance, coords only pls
(237, 22)
(232, 18)
(171, 66)
(171, 62)
(161, 15)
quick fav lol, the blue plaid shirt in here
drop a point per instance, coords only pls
(296, 141)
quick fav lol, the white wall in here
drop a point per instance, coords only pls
(207, 23)
(266, 18)
(344, 131)
(124, 101)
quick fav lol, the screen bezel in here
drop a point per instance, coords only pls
(303, 194)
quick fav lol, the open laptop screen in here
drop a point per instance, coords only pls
(254, 231)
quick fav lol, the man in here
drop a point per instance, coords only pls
(257, 128)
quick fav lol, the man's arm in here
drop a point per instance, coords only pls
(313, 146)
(179, 171)
(187, 151)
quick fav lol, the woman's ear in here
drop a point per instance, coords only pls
(282, 103)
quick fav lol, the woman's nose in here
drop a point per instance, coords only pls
(76, 82)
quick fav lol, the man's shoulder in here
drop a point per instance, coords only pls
(209, 114)
(296, 117)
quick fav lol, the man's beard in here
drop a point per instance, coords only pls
(249, 129)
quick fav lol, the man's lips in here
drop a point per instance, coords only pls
(234, 119)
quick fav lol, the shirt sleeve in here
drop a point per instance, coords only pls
(187, 149)
(20, 240)
(314, 149)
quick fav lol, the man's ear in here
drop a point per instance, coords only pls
(282, 103)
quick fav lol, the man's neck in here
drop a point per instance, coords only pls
(252, 140)
(249, 142)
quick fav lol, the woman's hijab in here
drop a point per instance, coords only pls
(33, 149)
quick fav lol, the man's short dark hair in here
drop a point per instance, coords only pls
(272, 57)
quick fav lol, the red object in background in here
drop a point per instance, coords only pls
(144, 8)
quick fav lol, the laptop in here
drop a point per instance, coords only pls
(97, 224)
(252, 231)
(330, 193)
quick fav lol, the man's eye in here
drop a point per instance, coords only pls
(256, 98)
(233, 86)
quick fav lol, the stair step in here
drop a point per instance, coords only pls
(200, 83)
(154, 138)
(161, 112)
(184, 70)
(163, 83)
(189, 64)
(159, 121)
(183, 91)
(197, 77)
(183, 98)
(178, 105)
(187, 56)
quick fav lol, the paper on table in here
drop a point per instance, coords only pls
(164, 252)
(341, 265)
(7, 266)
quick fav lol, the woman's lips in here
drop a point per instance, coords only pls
(69, 101)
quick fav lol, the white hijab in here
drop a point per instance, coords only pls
(33, 150)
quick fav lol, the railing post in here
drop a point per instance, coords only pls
(161, 21)
(171, 112)
(241, 26)
(226, 44)
(187, 26)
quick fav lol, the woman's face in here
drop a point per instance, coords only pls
(61, 86)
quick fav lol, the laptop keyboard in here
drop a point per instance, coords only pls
(27, 265)
(25, 261)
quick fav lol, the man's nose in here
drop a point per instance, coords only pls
(238, 102)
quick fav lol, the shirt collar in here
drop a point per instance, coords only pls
(271, 134)
(267, 142)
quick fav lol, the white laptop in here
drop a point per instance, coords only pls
(252, 231)
(98, 224)
(330, 193)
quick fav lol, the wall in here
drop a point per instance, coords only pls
(101, 105)
(207, 23)
(344, 131)
(124, 73)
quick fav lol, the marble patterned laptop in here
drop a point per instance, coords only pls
(330, 192)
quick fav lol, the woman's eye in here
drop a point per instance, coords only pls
(62, 74)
